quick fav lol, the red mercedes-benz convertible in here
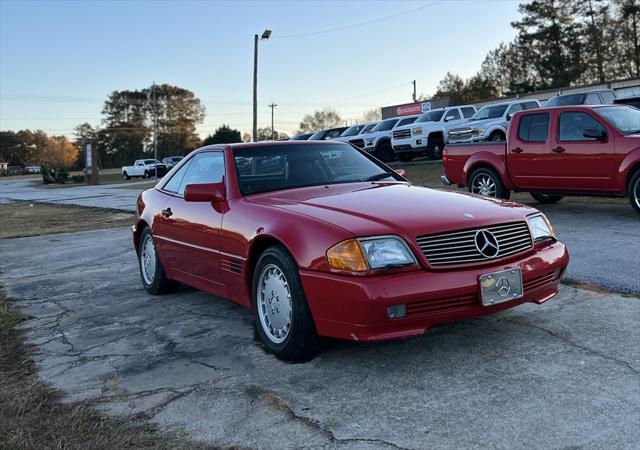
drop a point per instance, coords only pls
(322, 239)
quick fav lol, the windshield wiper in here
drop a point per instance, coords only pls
(634, 131)
(378, 176)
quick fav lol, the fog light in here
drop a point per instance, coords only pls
(397, 312)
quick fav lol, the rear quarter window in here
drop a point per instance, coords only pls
(534, 127)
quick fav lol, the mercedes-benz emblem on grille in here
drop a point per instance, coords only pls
(503, 287)
(487, 244)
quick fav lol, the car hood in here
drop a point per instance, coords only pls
(483, 123)
(366, 209)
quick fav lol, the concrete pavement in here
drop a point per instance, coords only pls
(561, 375)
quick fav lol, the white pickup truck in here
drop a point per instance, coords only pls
(378, 140)
(490, 123)
(144, 168)
(428, 134)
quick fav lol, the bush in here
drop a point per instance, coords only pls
(55, 176)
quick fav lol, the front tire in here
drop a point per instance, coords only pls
(486, 181)
(435, 148)
(146, 174)
(154, 279)
(282, 316)
(546, 198)
(634, 191)
(126, 176)
(385, 152)
(497, 136)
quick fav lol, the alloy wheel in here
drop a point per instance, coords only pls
(148, 260)
(636, 192)
(274, 303)
(484, 185)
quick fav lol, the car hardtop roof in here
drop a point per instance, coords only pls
(568, 108)
(584, 92)
(260, 144)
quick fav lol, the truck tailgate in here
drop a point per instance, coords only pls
(456, 156)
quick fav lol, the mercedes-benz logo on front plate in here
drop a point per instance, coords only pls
(503, 288)
(487, 244)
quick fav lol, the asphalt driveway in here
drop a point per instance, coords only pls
(561, 375)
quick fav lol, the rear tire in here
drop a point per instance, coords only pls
(282, 316)
(634, 191)
(154, 279)
(405, 157)
(546, 198)
(385, 152)
(486, 181)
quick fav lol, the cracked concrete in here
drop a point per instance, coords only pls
(561, 375)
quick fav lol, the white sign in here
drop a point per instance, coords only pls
(426, 106)
(88, 165)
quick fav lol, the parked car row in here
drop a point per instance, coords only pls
(406, 137)
(553, 152)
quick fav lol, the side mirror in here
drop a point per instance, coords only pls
(206, 192)
(402, 173)
(448, 118)
(509, 116)
(593, 133)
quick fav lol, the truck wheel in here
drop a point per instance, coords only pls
(436, 145)
(385, 152)
(497, 136)
(405, 157)
(126, 176)
(634, 191)
(486, 181)
(146, 174)
(282, 316)
(546, 198)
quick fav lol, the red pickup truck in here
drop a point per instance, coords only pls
(553, 152)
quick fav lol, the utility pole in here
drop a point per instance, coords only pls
(273, 132)
(155, 128)
(415, 99)
(264, 37)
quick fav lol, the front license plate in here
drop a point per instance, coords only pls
(502, 286)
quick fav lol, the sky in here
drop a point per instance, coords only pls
(60, 60)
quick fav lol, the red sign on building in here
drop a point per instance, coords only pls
(408, 109)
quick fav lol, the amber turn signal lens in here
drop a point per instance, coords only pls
(347, 255)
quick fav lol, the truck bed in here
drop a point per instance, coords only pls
(459, 158)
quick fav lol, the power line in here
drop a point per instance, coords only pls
(355, 25)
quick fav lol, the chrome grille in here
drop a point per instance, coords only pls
(401, 134)
(357, 142)
(460, 247)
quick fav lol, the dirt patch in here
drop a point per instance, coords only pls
(23, 219)
(33, 416)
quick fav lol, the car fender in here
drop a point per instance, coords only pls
(496, 127)
(484, 158)
(628, 163)
(435, 130)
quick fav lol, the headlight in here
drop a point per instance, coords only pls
(369, 142)
(416, 131)
(540, 227)
(359, 255)
(477, 131)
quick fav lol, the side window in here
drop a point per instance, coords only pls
(173, 185)
(138, 163)
(573, 125)
(514, 109)
(205, 167)
(531, 105)
(468, 112)
(534, 127)
(453, 113)
(607, 97)
(592, 99)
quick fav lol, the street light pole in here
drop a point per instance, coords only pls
(264, 37)
(273, 132)
(155, 129)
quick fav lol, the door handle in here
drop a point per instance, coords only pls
(167, 212)
(516, 150)
(558, 150)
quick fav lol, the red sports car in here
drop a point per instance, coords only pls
(322, 239)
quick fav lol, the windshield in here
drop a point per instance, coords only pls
(317, 135)
(352, 131)
(490, 112)
(367, 128)
(176, 158)
(566, 100)
(385, 125)
(431, 116)
(624, 118)
(406, 121)
(278, 167)
(149, 161)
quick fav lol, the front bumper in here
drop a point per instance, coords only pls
(413, 145)
(355, 308)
